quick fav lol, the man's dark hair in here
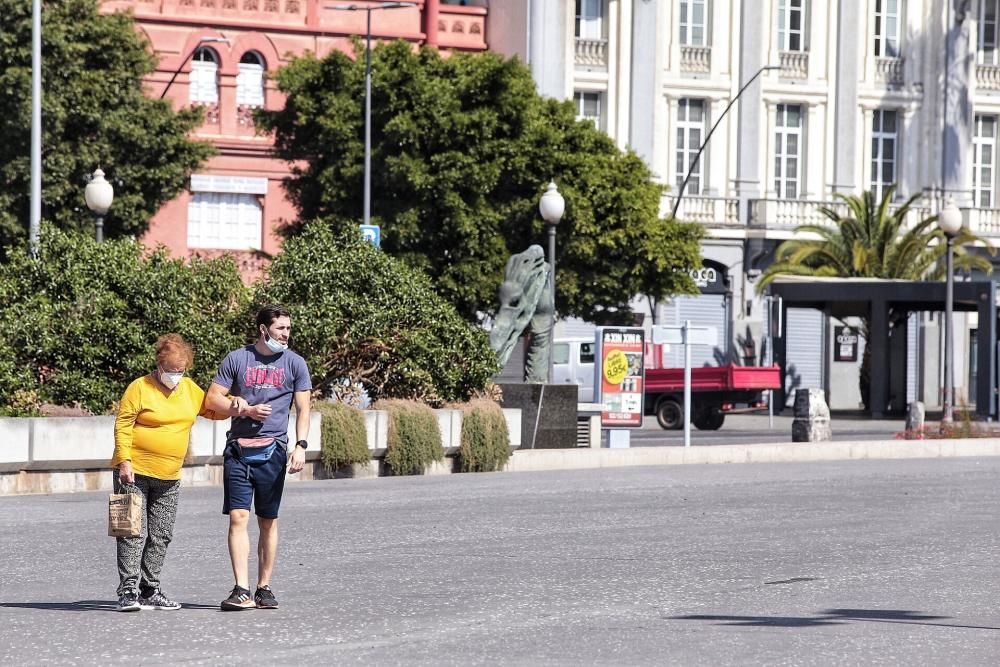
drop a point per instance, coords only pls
(268, 314)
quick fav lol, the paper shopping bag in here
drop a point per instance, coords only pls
(125, 514)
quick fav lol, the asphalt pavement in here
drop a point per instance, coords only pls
(860, 562)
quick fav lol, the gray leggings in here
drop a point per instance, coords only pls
(143, 556)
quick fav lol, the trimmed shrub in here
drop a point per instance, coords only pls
(362, 316)
(345, 438)
(414, 438)
(80, 322)
(485, 439)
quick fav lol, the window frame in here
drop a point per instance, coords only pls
(230, 207)
(880, 137)
(243, 88)
(887, 45)
(201, 70)
(580, 98)
(979, 142)
(588, 21)
(782, 135)
(686, 147)
(785, 32)
(988, 56)
(686, 25)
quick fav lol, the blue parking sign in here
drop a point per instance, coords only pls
(372, 234)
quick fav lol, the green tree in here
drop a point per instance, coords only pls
(462, 149)
(94, 113)
(80, 325)
(362, 317)
(873, 240)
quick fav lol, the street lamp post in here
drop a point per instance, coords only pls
(35, 219)
(99, 195)
(367, 204)
(950, 222)
(551, 206)
(697, 156)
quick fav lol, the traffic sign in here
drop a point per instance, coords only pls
(372, 234)
(674, 335)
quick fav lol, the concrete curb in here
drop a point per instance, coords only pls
(581, 459)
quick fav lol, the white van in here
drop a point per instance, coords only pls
(573, 362)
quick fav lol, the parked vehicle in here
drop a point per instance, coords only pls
(715, 390)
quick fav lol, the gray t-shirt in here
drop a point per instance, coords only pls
(263, 378)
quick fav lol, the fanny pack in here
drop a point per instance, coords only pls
(253, 450)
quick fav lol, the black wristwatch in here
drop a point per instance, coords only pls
(303, 444)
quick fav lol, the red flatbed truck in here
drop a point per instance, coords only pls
(715, 392)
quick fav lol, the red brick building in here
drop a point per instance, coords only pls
(217, 53)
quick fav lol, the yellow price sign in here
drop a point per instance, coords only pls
(615, 366)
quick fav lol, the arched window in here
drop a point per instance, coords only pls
(204, 88)
(250, 80)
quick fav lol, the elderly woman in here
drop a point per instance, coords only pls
(152, 432)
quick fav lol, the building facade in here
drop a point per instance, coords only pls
(218, 54)
(863, 95)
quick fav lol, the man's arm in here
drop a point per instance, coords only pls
(302, 404)
(217, 401)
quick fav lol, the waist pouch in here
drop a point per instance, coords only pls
(252, 455)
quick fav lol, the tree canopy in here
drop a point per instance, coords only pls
(462, 149)
(94, 113)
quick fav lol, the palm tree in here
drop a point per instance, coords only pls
(872, 241)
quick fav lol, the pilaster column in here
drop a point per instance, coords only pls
(845, 154)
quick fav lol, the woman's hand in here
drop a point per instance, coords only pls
(125, 473)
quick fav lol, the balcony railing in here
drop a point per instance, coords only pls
(889, 71)
(983, 221)
(696, 59)
(591, 52)
(794, 64)
(988, 77)
(708, 211)
(789, 214)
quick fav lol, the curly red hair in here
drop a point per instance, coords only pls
(172, 350)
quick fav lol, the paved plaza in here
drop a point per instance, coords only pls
(860, 562)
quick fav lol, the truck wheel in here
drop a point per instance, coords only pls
(670, 415)
(709, 420)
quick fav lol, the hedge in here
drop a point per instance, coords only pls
(414, 437)
(485, 439)
(345, 438)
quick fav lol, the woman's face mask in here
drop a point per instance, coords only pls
(170, 380)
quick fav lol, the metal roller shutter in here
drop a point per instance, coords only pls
(705, 310)
(804, 351)
(912, 356)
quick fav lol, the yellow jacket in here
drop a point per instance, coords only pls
(153, 427)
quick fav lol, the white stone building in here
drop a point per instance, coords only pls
(869, 93)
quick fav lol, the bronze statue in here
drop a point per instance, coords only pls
(524, 299)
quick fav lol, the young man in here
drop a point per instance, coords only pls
(263, 380)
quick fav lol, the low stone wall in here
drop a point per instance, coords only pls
(68, 454)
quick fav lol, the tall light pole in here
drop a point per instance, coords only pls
(697, 156)
(35, 220)
(950, 222)
(367, 206)
(99, 195)
(551, 206)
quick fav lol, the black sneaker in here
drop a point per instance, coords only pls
(264, 598)
(238, 599)
(157, 600)
(128, 602)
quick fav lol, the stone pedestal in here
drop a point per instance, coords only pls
(812, 417)
(915, 414)
(548, 417)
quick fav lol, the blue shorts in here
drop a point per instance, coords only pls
(260, 483)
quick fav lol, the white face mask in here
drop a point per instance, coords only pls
(170, 380)
(274, 345)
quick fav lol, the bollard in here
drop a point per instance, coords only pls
(915, 421)
(812, 417)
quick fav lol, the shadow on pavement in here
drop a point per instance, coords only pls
(86, 605)
(831, 617)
